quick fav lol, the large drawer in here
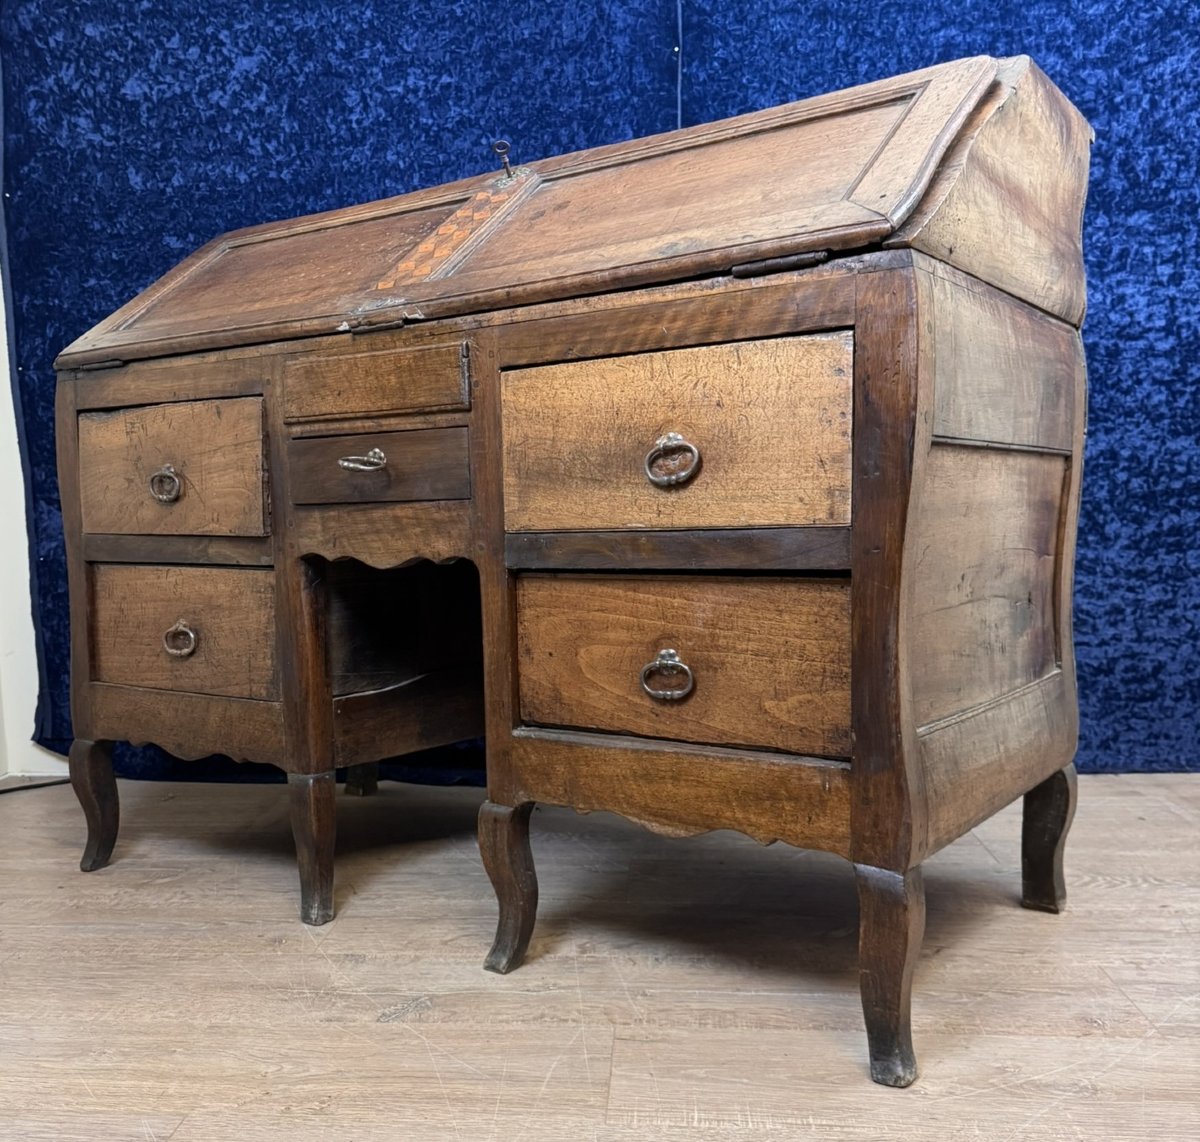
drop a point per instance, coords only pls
(187, 468)
(380, 467)
(207, 630)
(763, 428)
(768, 659)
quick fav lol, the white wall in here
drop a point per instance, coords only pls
(18, 659)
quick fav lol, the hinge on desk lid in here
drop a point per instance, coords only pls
(779, 265)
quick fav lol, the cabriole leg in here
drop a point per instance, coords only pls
(362, 780)
(92, 779)
(1049, 810)
(504, 845)
(313, 813)
(891, 924)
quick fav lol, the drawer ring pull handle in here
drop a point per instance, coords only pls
(668, 662)
(180, 640)
(668, 445)
(373, 461)
(165, 484)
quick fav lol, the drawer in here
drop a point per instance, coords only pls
(769, 659)
(381, 467)
(376, 382)
(765, 428)
(188, 468)
(206, 630)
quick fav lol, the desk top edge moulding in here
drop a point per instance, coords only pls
(914, 153)
(723, 479)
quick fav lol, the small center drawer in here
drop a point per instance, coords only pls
(380, 467)
(748, 434)
(761, 663)
(206, 630)
(185, 468)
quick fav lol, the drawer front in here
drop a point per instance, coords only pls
(376, 382)
(381, 467)
(206, 630)
(769, 659)
(190, 468)
(765, 428)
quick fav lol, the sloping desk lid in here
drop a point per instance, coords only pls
(836, 172)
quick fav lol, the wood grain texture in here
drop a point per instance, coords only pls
(743, 549)
(504, 847)
(199, 376)
(189, 726)
(431, 710)
(236, 551)
(215, 448)
(891, 925)
(770, 658)
(423, 464)
(1049, 809)
(1007, 205)
(313, 808)
(981, 618)
(92, 778)
(977, 763)
(230, 612)
(684, 790)
(372, 382)
(891, 425)
(1004, 373)
(385, 535)
(770, 418)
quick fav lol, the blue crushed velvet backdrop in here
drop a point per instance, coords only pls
(135, 130)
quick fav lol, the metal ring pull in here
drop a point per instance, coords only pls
(180, 641)
(668, 662)
(669, 445)
(165, 484)
(373, 461)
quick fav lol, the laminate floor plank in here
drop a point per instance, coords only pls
(703, 989)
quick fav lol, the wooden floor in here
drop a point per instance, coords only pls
(701, 989)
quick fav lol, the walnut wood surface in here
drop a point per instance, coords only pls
(92, 778)
(313, 809)
(891, 925)
(434, 709)
(744, 549)
(982, 618)
(837, 172)
(189, 726)
(504, 846)
(771, 420)
(237, 551)
(384, 535)
(425, 464)
(770, 658)
(215, 448)
(231, 611)
(681, 790)
(1048, 812)
(370, 382)
(1007, 205)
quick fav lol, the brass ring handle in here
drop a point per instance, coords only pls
(165, 484)
(669, 445)
(668, 662)
(373, 461)
(180, 640)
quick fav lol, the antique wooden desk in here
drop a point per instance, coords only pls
(737, 467)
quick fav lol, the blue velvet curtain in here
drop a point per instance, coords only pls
(135, 130)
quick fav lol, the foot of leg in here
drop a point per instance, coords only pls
(504, 844)
(1049, 810)
(362, 780)
(313, 805)
(891, 925)
(92, 779)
